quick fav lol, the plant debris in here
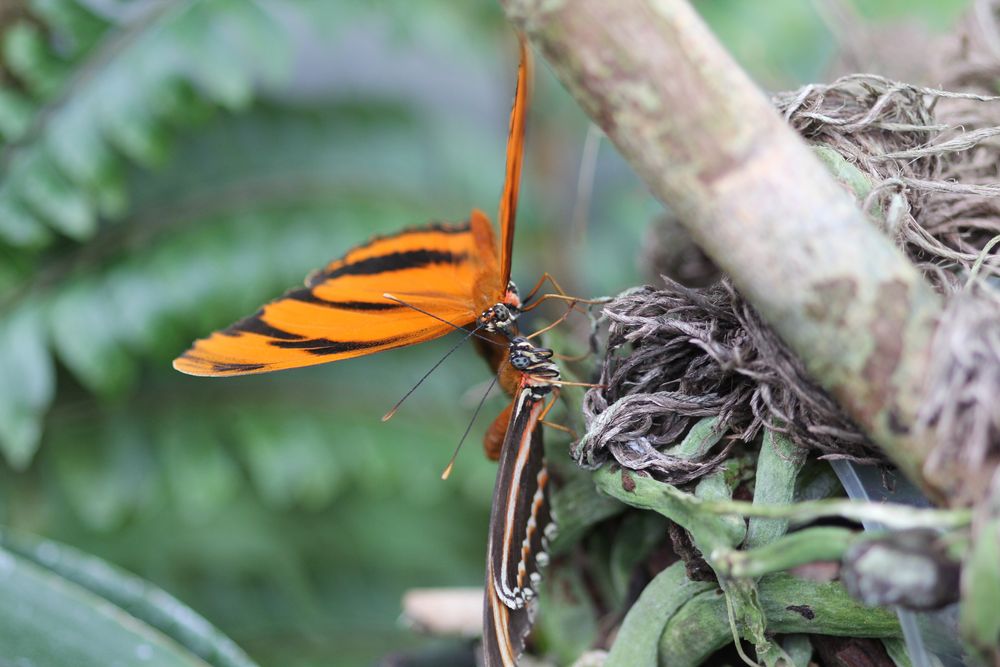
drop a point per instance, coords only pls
(924, 164)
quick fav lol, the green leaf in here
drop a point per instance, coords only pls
(28, 384)
(638, 534)
(16, 112)
(48, 193)
(566, 621)
(18, 226)
(26, 54)
(46, 620)
(74, 28)
(104, 616)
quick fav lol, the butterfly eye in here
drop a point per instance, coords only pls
(520, 361)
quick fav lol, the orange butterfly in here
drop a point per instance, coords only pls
(439, 277)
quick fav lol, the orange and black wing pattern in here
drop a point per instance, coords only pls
(515, 158)
(343, 311)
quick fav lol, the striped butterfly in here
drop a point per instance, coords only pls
(521, 523)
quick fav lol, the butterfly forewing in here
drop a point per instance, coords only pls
(515, 158)
(517, 542)
(343, 312)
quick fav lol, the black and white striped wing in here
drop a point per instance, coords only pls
(519, 521)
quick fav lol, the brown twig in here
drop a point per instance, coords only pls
(754, 197)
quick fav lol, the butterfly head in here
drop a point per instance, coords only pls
(535, 362)
(499, 318)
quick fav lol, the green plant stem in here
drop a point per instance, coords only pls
(805, 546)
(637, 642)
(699, 440)
(979, 620)
(889, 514)
(792, 605)
(777, 468)
(670, 501)
(708, 531)
(746, 617)
(708, 143)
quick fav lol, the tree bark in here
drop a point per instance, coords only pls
(709, 144)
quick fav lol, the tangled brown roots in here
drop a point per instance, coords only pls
(924, 164)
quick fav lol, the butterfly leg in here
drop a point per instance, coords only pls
(560, 427)
(553, 325)
(560, 294)
(571, 358)
(566, 383)
(546, 277)
(545, 412)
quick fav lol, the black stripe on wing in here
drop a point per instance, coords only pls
(325, 346)
(318, 277)
(517, 538)
(394, 261)
(306, 295)
(255, 324)
(520, 512)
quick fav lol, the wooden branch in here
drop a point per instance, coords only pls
(709, 144)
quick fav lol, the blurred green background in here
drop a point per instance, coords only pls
(166, 167)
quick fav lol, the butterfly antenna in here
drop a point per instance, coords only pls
(468, 334)
(451, 463)
(441, 319)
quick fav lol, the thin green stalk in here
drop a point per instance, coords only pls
(978, 265)
(792, 605)
(778, 467)
(638, 638)
(810, 545)
(688, 509)
(889, 514)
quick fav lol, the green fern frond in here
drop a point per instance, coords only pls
(249, 206)
(91, 97)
